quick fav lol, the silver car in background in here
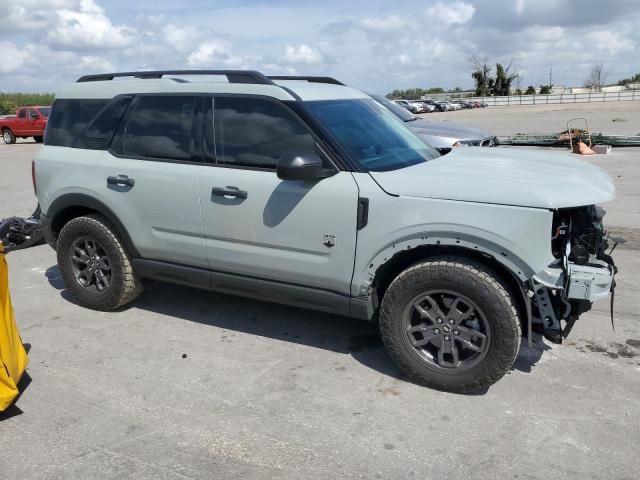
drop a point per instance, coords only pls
(441, 135)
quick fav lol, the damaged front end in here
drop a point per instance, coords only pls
(581, 273)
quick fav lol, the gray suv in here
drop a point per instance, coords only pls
(303, 191)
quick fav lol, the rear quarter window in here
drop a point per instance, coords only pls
(100, 131)
(69, 118)
(158, 127)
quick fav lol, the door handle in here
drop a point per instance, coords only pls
(228, 192)
(121, 181)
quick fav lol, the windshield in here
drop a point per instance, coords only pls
(400, 112)
(44, 111)
(371, 134)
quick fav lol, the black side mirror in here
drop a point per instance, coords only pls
(298, 167)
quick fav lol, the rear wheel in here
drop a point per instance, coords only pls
(94, 264)
(450, 324)
(8, 136)
(38, 139)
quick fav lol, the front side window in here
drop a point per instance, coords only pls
(44, 111)
(68, 120)
(372, 136)
(255, 133)
(158, 127)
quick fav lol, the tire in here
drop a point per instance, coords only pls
(415, 338)
(91, 289)
(8, 136)
(38, 139)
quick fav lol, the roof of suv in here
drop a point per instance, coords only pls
(212, 81)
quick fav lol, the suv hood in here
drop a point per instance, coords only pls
(523, 177)
(446, 129)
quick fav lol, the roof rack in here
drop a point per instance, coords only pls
(330, 80)
(233, 76)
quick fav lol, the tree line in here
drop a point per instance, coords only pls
(501, 82)
(10, 102)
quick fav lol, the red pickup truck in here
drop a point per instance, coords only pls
(27, 122)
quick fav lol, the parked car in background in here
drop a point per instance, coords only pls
(426, 107)
(462, 103)
(28, 122)
(407, 105)
(443, 136)
(437, 107)
(423, 106)
(445, 106)
(419, 106)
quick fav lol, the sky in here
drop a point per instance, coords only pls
(374, 45)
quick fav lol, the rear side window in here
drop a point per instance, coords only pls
(68, 120)
(100, 131)
(158, 127)
(22, 113)
(255, 133)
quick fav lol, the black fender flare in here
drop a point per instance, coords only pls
(65, 206)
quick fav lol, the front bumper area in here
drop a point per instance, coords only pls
(581, 282)
(563, 293)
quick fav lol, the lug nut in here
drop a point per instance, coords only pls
(446, 337)
(436, 331)
(456, 332)
(439, 320)
(451, 321)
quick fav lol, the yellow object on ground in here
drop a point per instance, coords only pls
(13, 357)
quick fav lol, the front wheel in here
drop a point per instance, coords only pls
(449, 323)
(94, 264)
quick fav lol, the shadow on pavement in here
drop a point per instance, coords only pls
(13, 410)
(338, 334)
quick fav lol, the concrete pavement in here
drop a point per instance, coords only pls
(192, 384)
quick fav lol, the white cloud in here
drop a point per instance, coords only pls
(12, 57)
(384, 24)
(181, 38)
(87, 27)
(451, 13)
(46, 43)
(213, 53)
(611, 42)
(303, 54)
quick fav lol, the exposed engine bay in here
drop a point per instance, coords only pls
(582, 272)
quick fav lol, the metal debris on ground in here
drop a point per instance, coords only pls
(17, 233)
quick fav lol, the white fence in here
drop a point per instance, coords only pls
(623, 96)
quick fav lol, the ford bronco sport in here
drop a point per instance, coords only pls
(306, 192)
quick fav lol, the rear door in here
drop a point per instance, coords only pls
(149, 177)
(256, 225)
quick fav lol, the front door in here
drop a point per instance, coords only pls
(256, 225)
